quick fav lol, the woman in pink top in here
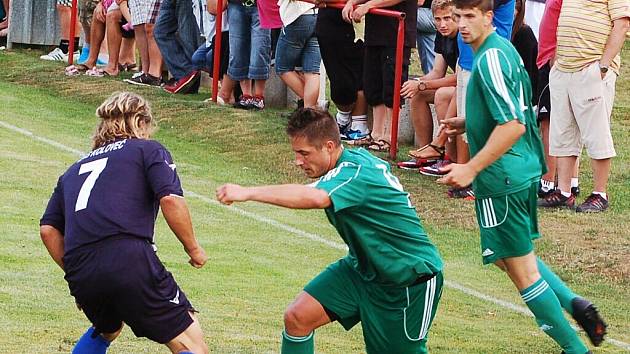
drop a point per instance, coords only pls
(269, 14)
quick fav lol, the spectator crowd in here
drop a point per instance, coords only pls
(569, 48)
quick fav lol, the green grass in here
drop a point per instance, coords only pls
(256, 269)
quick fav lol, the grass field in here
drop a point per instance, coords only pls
(261, 256)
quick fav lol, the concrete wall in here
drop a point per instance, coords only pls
(33, 22)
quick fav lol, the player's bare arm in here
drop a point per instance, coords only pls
(615, 41)
(363, 9)
(294, 196)
(177, 217)
(53, 240)
(503, 137)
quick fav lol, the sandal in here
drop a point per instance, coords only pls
(365, 141)
(127, 67)
(379, 146)
(422, 158)
(96, 72)
(74, 70)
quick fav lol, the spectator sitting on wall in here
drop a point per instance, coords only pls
(64, 14)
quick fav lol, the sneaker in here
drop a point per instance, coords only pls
(465, 193)
(355, 134)
(587, 316)
(142, 79)
(435, 169)
(595, 203)
(412, 164)
(343, 128)
(182, 85)
(557, 200)
(258, 103)
(57, 55)
(542, 194)
(244, 102)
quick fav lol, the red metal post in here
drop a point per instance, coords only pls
(73, 29)
(218, 34)
(400, 40)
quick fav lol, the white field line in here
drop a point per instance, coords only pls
(313, 237)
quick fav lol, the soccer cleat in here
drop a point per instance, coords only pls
(258, 103)
(465, 193)
(595, 203)
(244, 102)
(587, 316)
(435, 169)
(343, 128)
(57, 55)
(142, 79)
(557, 200)
(182, 85)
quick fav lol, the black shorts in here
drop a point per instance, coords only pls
(121, 279)
(378, 74)
(544, 101)
(343, 60)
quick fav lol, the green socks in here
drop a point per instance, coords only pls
(297, 345)
(564, 294)
(544, 304)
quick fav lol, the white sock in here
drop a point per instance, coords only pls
(566, 194)
(359, 123)
(574, 182)
(603, 194)
(343, 118)
(546, 186)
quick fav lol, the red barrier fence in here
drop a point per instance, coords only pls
(339, 5)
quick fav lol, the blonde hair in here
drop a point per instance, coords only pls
(121, 116)
(441, 5)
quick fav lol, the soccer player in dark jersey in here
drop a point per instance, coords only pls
(98, 227)
(391, 279)
(505, 168)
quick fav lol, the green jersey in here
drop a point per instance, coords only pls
(499, 91)
(375, 218)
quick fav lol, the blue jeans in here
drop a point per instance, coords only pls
(177, 36)
(298, 46)
(250, 45)
(202, 58)
(425, 39)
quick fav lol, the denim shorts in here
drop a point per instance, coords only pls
(298, 46)
(250, 45)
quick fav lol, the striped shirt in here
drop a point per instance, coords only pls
(583, 30)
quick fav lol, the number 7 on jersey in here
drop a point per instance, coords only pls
(95, 168)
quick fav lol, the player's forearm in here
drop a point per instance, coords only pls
(447, 81)
(503, 137)
(615, 41)
(294, 196)
(178, 218)
(53, 240)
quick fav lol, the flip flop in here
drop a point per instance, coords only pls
(96, 72)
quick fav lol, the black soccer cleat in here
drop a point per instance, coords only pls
(587, 316)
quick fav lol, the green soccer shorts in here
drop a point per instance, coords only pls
(508, 224)
(394, 319)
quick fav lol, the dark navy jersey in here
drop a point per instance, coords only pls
(114, 190)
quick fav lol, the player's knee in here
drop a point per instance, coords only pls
(294, 321)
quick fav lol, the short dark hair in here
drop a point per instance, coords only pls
(483, 5)
(316, 125)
